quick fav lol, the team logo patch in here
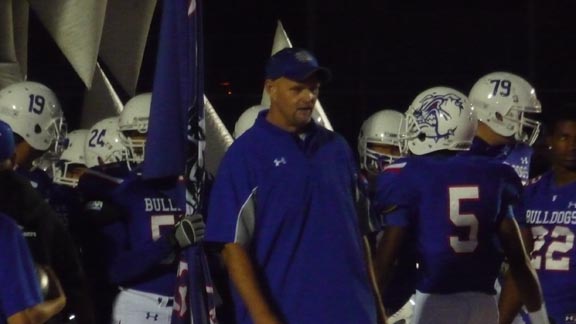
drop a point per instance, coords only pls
(303, 56)
(432, 109)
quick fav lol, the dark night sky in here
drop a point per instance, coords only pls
(382, 53)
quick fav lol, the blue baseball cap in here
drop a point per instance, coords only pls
(6, 141)
(295, 64)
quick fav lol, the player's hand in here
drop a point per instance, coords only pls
(189, 230)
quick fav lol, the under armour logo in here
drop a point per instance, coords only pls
(571, 204)
(524, 160)
(149, 316)
(279, 161)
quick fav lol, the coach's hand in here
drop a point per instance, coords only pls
(189, 230)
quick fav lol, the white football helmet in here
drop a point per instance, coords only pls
(440, 118)
(247, 119)
(384, 127)
(133, 121)
(72, 155)
(34, 112)
(103, 144)
(502, 100)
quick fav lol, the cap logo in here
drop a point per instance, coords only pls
(303, 56)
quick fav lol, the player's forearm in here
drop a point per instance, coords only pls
(528, 285)
(19, 318)
(44, 311)
(41, 313)
(373, 282)
(386, 253)
(509, 303)
(242, 274)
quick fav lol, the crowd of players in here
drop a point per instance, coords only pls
(447, 187)
(433, 205)
(87, 215)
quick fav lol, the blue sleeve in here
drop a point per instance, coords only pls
(398, 217)
(395, 196)
(20, 289)
(233, 189)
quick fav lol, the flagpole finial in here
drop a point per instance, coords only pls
(192, 7)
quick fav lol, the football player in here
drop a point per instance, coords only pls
(104, 156)
(379, 144)
(505, 104)
(141, 243)
(36, 117)
(379, 140)
(66, 170)
(549, 209)
(20, 296)
(459, 208)
(34, 113)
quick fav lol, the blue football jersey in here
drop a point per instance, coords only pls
(18, 280)
(518, 155)
(143, 258)
(550, 213)
(455, 205)
(133, 245)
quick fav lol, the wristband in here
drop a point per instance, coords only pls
(540, 316)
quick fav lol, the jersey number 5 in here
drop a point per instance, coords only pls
(158, 221)
(456, 195)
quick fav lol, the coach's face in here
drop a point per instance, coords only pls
(292, 102)
(563, 145)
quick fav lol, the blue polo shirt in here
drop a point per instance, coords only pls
(289, 200)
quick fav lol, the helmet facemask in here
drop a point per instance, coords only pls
(71, 162)
(133, 127)
(135, 142)
(67, 173)
(374, 161)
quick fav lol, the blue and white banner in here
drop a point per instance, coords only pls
(176, 142)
